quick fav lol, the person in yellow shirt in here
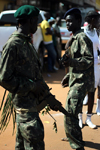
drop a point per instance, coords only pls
(48, 42)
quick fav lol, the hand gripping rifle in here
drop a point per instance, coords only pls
(47, 99)
(53, 103)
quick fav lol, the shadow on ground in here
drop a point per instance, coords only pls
(92, 145)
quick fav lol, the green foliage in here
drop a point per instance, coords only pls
(47, 109)
(7, 111)
(55, 126)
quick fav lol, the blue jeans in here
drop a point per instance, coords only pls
(51, 56)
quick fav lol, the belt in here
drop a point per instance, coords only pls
(22, 110)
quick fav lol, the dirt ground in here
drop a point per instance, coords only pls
(52, 139)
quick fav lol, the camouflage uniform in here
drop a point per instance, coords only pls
(81, 81)
(19, 69)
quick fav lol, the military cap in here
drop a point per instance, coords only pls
(26, 11)
(72, 11)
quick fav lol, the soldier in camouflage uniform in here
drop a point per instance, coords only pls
(79, 59)
(20, 74)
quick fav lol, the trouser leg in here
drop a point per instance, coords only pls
(98, 102)
(73, 132)
(90, 102)
(74, 105)
(51, 56)
(30, 135)
(98, 93)
(19, 139)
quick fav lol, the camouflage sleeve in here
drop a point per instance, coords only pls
(67, 75)
(83, 53)
(8, 79)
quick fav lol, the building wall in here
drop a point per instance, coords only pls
(6, 4)
(2, 4)
(98, 4)
(78, 2)
(90, 2)
(52, 5)
(19, 2)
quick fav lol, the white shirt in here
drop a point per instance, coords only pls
(95, 40)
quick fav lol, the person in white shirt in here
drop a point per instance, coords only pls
(92, 18)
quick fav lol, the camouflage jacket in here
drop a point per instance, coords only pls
(81, 69)
(19, 71)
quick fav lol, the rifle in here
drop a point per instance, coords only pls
(48, 99)
(53, 103)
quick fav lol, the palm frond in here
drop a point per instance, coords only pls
(3, 100)
(7, 111)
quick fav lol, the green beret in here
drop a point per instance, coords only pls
(26, 11)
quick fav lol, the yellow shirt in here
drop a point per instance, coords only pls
(44, 26)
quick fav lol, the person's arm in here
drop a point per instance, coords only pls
(57, 33)
(83, 48)
(48, 31)
(8, 78)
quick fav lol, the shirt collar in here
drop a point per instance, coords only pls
(79, 31)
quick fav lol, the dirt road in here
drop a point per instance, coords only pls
(52, 139)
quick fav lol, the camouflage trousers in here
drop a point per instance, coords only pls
(30, 135)
(74, 105)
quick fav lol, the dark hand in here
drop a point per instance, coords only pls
(53, 103)
(67, 62)
(56, 106)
